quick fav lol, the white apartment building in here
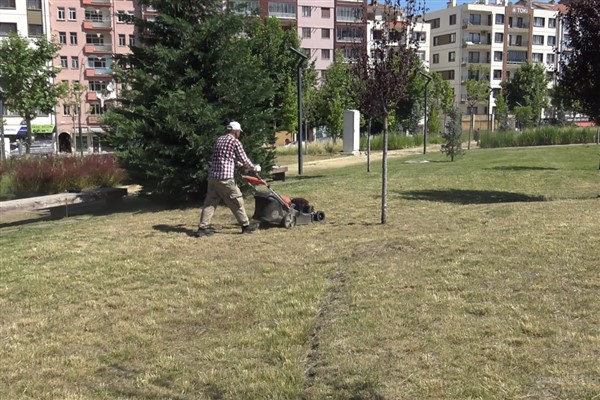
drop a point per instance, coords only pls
(420, 31)
(498, 37)
(28, 18)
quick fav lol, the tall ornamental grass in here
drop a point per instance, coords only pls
(37, 176)
(541, 136)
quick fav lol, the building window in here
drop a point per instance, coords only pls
(325, 33)
(475, 19)
(325, 12)
(306, 11)
(34, 4)
(499, 19)
(282, 10)
(60, 14)
(96, 62)
(499, 37)
(435, 23)
(64, 61)
(94, 15)
(122, 40)
(95, 109)
(447, 75)
(537, 57)
(72, 14)
(325, 54)
(66, 109)
(451, 56)
(551, 22)
(539, 22)
(348, 14)
(551, 41)
(550, 58)
(62, 37)
(73, 38)
(74, 62)
(421, 54)
(132, 40)
(96, 86)
(474, 37)
(7, 4)
(436, 58)
(498, 74)
(444, 39)
(538, 39)
(452, 20)
(121, 17)
(96, 40)
(35, 30)
(349, 34)
(497, 56)
(420, 37)
(306, 33)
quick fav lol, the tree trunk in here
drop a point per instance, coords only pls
(384, 169)
(369, 146)
(29, 139)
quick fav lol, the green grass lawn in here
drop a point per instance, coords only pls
(483, 284)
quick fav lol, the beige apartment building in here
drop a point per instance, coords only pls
(496, 36)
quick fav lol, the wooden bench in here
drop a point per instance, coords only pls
(59, 203)
(278, 172)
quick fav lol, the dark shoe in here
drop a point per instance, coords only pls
(250, 228)
(203, 232)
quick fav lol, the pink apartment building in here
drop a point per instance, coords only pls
(316, 29)
(90, 32)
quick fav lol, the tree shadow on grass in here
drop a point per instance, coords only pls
(460, 196)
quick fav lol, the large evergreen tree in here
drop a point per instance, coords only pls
(580, 65)
(196, 68)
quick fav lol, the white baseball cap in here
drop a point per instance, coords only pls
(234, 126)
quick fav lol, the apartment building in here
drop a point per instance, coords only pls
(420, 30)
(496, 37)
(29, 19)
(91, 32)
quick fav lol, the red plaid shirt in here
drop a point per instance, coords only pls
(227, 152)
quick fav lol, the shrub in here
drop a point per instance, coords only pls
(395, 142)
(541, 136)
(37, 176)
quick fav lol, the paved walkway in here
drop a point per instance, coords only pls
(360, 158)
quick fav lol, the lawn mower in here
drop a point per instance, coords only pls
(274, 209)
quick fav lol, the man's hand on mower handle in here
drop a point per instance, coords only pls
(257, 168)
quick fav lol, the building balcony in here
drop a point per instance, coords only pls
(476, 43)
(104, 25)
(524, 26)
(471, 26)
(98, 49)
(91, 96)
(96, 3)
(98, 73)
(93, 119)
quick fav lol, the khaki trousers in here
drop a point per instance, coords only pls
(231, 195)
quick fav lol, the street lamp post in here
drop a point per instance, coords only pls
(302, 58)
(425, 121)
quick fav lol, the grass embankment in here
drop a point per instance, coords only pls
(483, 284)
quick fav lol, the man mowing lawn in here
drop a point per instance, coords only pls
(227, 153)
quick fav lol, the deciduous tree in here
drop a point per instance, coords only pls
(580, 65)
(528, 87)
(384, 75)
(26, 74)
